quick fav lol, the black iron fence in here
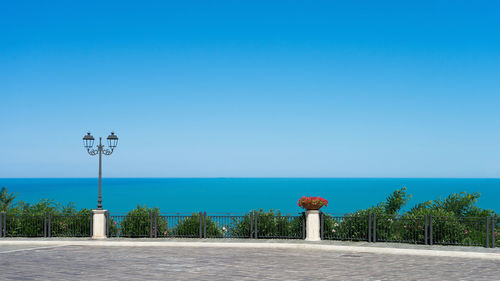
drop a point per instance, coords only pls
(202, 225)
(345, 227)
(45, 225)
(428, 230)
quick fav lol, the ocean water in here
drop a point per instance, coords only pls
(237, 195)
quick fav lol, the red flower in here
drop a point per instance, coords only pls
(312, 203)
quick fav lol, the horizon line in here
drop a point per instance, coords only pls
(219, 177)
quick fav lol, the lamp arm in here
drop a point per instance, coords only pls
(93, 152)
(107, 151)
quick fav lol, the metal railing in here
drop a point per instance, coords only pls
(229, 226)
(280, 226)
(200, 225)
(45, 225)
(344, 227)
(70, 226)
(428, 230)
(399, 229)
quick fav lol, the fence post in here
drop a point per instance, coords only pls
(156, 225)
(150, 224)
(205, 225)
(201, 224)
(49, 231)
(369, 227)
(4, 224)
(256, 221)
(426, 230)
(322, 223)
(108, 223)
(44, 224)
(430, 231)
(304, 225)
(374, 228)
(487, 232)
(493, 229)
(91, 224)
(250, 216)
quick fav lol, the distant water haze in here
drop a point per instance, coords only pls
(238, 195)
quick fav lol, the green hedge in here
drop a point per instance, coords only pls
(28, 220)
(189, 227)
(456, 220)
(137, 223)
(453, 221)
(270, 224)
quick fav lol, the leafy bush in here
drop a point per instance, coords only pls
(270, 225)
(455, 220)
(347, 227)
(137, 223)
(28, 220)
(239, 228)
(189, 227)
(354, 226)
(18, 225)
(75, 224)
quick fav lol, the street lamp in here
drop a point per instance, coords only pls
(88, 143)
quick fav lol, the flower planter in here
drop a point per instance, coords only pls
(312, 203)
(311, 207)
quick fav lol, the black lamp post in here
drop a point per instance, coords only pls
(88, 143)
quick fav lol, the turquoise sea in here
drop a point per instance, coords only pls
(243, 194)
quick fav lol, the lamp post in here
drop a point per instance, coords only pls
(88, 143)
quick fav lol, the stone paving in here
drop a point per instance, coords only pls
(32, 262)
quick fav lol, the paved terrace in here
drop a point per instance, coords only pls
(214, 259)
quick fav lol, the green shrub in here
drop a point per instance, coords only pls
(28, 220)
(137, 223)
(239, 228)
(270, 225)
(348, 227)
(19, 225)
(73, 224)
(189, 227)
(456, 219)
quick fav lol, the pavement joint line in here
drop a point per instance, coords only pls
(264, 245)
(31, 249)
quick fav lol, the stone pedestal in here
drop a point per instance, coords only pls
(99, 224)
(312, 225)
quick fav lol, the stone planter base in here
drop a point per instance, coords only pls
(99, 224)
(312, 225)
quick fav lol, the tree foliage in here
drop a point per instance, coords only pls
(455, 219)
(33, 220)
(6, 199)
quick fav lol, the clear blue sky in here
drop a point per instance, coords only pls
(251, 88)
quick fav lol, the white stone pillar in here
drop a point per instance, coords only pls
(99, 224)
(312, 225)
